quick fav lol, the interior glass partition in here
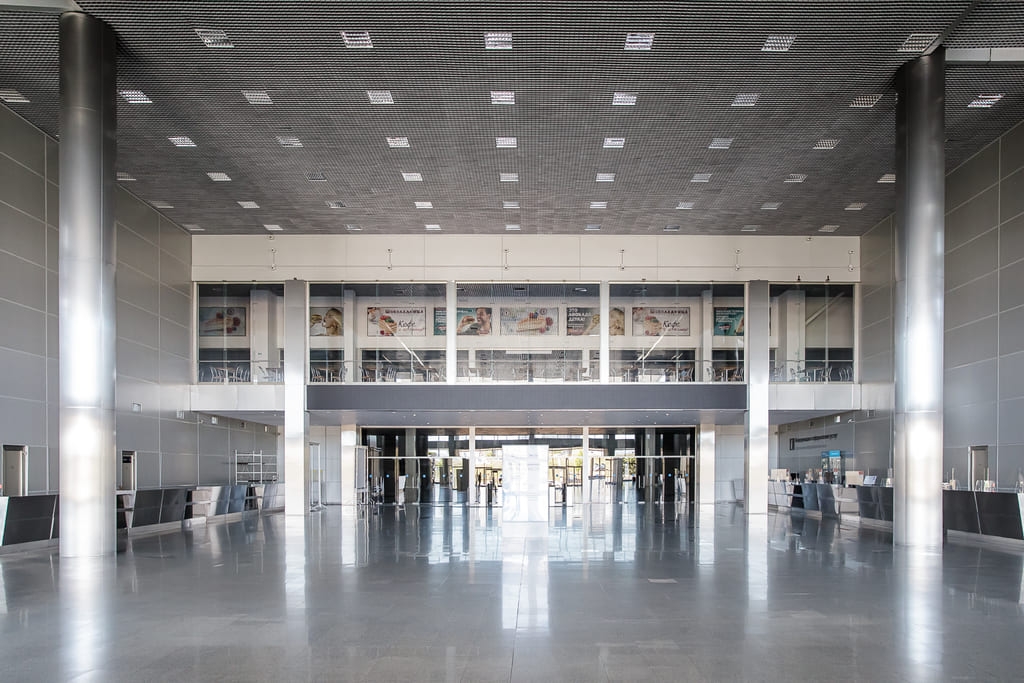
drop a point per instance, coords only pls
(239, 332)
(527, 332)
(327, 332)
(815, 339)
(396, 331)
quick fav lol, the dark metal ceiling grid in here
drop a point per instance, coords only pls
(565, 64)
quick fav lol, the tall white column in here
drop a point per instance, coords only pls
(296, 419)
(353, 373)
(758, 373)
(920, 279)
(474, 490)
(704, 372)
(451, 297)
(349, 440)
(705, 476)
(604, 361)
(87, 297)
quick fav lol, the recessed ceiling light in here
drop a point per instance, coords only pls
(356, 39)
(432, 226)
(424, 205)
(826, 143)
(887, 178)
(828, 228)
(511, 227)
(160, 204)
(503, 97)
(219, 177)
(214, 38)
(353, 228)
(273, 227)
(412, 177)
(771, 206)
(865, 101)
(505, 143)
(856, 206)
(749, 228)
(685, 205)
(181, 141)
(605, 178)
(984, 101)
(249, 205)
(778, 43)
(701, 178)
(125, 177)
(745, 99)
(592, 227)
(623, 99)
(316, 177)
(193, 227)
(334, 204)
(598, 205)
(135, 97)
(508, 177)
(614, 143)
(510, 204)
(13, 97)
(498, 40)
(720, 143)
(673, 228)
(380, 97)
(639, 41)
(257, 96)
(795, 178)
(918, 42)
(395, 143)
(289, 141)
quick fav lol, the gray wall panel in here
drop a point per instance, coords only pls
(971, 302)
(1011, 196)
(978, 257)
(1011, 426)
(877, 241)
(23, 329)
(213, 440)
(178, 471)
(970, 424)
(22, 189)
(174, 369)
(241, 440)
(137, 432)
(138, 325)
(22, 281)
(877, 338)
(1011, 241)
(176, 340)
(23, 142)
(22, 235)
(37, 465)
(22, 422)
(968, 343)
(975, 383)
(178, 437)
(175, 241)
(24, 376)
(137, 361)
(136, 252)
(52, 291)
(176, 274)
(147, 466)
(52, 160)
(175, 306)
(52, 334)
(1011, 286)
(215, 471)
(977, 216)
(974, 175)
(138, 288)
(1011, 377)
(52, 216)
(139, 216)
(1012, 151)
(1011, 331)
(876, 306)
(52, 255)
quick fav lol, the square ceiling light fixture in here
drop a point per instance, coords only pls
(795, 178)
(396, 143)
(412, 177)
(433, 227)
(623, 99)
(353, 228)
(592, 227)
(135, 97)
(249, 205)
(289, 141)
(257, 97)
(685, 206)
(193, 227)
(508, 177)
(771, 206)
(219, 177)
(701, 178)
(887, 178)
(356, 39)
(181, 141)
(720, 143)
(746, 99)
(826, 143)
(984, 101)
(865, 101)
(605, 178)
(160, 204)
(498, 40)
(513, 227)
(855, 206)
(334, 204)
(673, 228)
(598, 205)
(639, 41)
(749, 228)
(506, 143)
(614, 143)
(214, 38)
(272, 227)
(780, 43)
(918, 42)
(13, 97)
(510, 204)
(503, 97)
(828, 228)
(380, 97)
(424, 205)
(125, 177)
(316, 176)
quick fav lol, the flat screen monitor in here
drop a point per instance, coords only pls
(870, 480)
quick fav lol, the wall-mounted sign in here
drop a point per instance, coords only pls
(529, 321)
(659, 321)
(471, 321)
(729, 321)
(396, 322)
(584, 321)
(219, 321)
(325, 322)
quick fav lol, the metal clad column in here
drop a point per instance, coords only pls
(604, 360)
(920, 242)
(706, 465)
(296, 419)
(88, 147)
(755, 479)
(451, 349)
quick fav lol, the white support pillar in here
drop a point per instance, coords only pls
(585, 477)
(296, 419)
(705, 476)
(704, 372)
(451, 316)
(758, 373)
(604, 361)
(349, 440)
(348, 322)
(474, 490)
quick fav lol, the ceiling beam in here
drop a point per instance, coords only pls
(986, 55)
(56, 6)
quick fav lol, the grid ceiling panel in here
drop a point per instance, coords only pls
(564, 66)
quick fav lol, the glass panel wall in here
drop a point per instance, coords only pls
(527, 332)
(239, 332)
(815, 335)
(327, 327)
(398, 337)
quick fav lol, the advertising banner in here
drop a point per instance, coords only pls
(659, 321)
(325, 322)
(219, 321)
(529, 321)
(729, 321)
(472, 321)
(582, 322)
(396, 322)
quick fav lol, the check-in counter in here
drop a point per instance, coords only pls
(26, 519)
(989, 513)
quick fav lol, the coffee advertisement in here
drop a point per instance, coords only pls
(396, 322)
(649, 321)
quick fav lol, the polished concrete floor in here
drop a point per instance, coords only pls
(606, 593)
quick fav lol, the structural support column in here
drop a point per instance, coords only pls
(758, 373)
(349, 440)
(705, 477)
(296, 419)
(920, 279)
(604, 361)
(88, 148)
(451, 353)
